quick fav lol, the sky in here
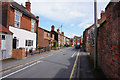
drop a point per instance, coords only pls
(74, 15)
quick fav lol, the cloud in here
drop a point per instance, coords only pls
(62, 12)
(86, 24)
(71, 35)
(72, 25)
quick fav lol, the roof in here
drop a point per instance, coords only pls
(22, 9)
(90, 27)
(44, 29)
(4, 30)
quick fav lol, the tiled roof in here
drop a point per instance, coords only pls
(22, 10)
(4, 30)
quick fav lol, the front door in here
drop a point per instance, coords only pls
(14, 43)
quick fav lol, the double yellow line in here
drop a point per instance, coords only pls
(73, 69)
(20, 65)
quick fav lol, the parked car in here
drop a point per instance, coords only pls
(77, 47)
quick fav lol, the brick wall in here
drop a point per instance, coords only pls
(25, 23)
(40, 37)
(108, 42)
(18, 53)
(12, 17)
(42, 40)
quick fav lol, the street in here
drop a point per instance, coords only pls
(59, 64)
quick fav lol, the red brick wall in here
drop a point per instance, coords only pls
(108, 45)
(18, 53)
(42, 41)
(25, 23)
(12, 17)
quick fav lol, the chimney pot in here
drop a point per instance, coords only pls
(52, 28)
(62, 33)
(58, 30)
(28, 5)
(37, 18)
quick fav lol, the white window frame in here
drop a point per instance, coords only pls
(17, 18)
(29, 43)
(32, 25)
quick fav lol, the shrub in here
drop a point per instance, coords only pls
(30, 51)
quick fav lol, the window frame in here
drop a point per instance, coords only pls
(28, 43)
(32, 25)
(17, 19)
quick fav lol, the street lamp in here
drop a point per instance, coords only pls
(95, 32)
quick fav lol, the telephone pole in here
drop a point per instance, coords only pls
(95, 32)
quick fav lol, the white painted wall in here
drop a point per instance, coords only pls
(7, 49)
(23, 35)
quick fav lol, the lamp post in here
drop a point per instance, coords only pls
(95, 32)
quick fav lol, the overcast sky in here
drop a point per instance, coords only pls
(74, 15)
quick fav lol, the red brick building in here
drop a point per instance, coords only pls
(77, 40)
(88, 38)
(22, 23)
(45, 38)
(108, 41)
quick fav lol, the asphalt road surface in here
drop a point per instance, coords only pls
(59, 64)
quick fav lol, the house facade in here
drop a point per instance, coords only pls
(45, 38)
(22, 23)
(5, 43)
(77, 40)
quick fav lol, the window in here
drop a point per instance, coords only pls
(29, 43)
(32, 25)
(17, 18)
(3, 37)
(47, 34)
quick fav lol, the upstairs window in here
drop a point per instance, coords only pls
(47, 34)
(17, 18)
(32, 25)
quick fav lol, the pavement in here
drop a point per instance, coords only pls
(65, 64)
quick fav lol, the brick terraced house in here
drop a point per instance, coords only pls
(22, 23)
(88, 38)
(77, 40)
(45, 39)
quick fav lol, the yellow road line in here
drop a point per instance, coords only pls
(26, 63)
(72, 72)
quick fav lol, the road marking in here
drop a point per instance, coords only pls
(73, 55)
(21, 69)
(74, 67)
(25, 64)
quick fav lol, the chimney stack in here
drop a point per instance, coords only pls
(58, 30)
(37, 18)
(28, 5)
(62, 33)
(52, 28)
(102, 14)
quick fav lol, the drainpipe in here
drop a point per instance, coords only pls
(37, 35)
